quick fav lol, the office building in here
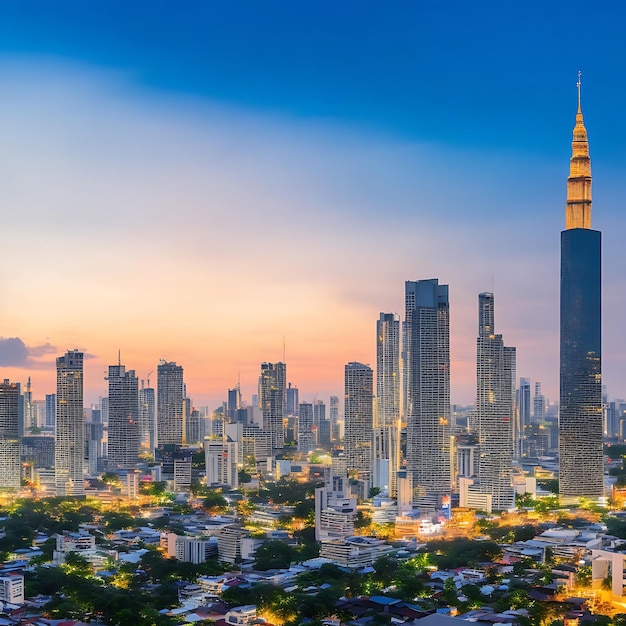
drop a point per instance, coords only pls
(495, 384)
(51, 410)
(427, 371)
(387, 438)
(292, 399)
(539, 404)
(170, 397)
(306, 433)
(147, 413)
(124, 424)
(10, 465)
(359, 419)
(69, 440)
(580, 408)
(272, 392)
(335, 428)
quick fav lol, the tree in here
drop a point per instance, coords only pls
(215, 502)
(273, 554)
(244, 477)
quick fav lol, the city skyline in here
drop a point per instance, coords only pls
(170, 171)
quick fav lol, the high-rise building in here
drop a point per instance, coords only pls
(306, 433)
(69, 440)
(427, 370)
(539, 404)
(9, 436)
(524, 403)
(580, 407)
(51, 410)
(335, 433)
(170, 400)
(272, 386)
(359, 418)
(387, 439)
(495, 385)
(292, 400)
(147, 413)
(124, 424)
(30, 417)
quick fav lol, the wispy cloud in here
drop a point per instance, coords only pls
(15, 353)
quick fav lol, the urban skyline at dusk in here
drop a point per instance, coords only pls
(202, 185)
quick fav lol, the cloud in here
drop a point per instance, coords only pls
(15, 353)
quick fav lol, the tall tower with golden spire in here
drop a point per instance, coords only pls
(578, 208)
(581, 471)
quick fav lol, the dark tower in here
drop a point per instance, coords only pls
(581, 471)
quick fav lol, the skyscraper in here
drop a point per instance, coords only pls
(9, 437)
(580, 408)
(539, 404)
(272, 385)
(388, 396)
(170, 397)
(427, 371)
(306, 433)
(359, 418)
(147, 406)
(124, 431)
(495, 385)
(69, 439)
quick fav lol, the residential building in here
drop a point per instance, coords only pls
(427, 372)
(69, 442)
(272, 391)
(10, 464)
(124, 423)
(359, 419)
(306, 432)
(170, 400)
(387, 427)
(495, 384)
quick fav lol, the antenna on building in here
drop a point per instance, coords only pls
(284, 349)
(119, 357)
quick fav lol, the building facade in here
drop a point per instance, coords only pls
(170, 400)
(580, 408)
(9, 437)
(124, 423)
(495, 391)
(272, 395)
(69, 440)
(359, 419)
(387, 439)
(427, 372)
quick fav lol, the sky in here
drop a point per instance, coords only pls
(221, 184)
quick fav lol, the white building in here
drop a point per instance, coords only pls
(12, 588)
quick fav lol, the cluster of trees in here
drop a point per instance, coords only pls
(132, 596)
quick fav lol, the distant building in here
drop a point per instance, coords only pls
(306, 434)
(10, 465)
(387, 427)
(359, 419)
(124, 424)
(272, 391)
(170, 396)
(495, 384)
(147, 415)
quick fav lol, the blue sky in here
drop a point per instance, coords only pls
(315, 155)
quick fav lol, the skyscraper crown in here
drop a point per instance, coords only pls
(578, 208)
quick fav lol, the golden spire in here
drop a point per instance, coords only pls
(578, 208)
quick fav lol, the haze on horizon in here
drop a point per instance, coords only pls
(198, 184)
